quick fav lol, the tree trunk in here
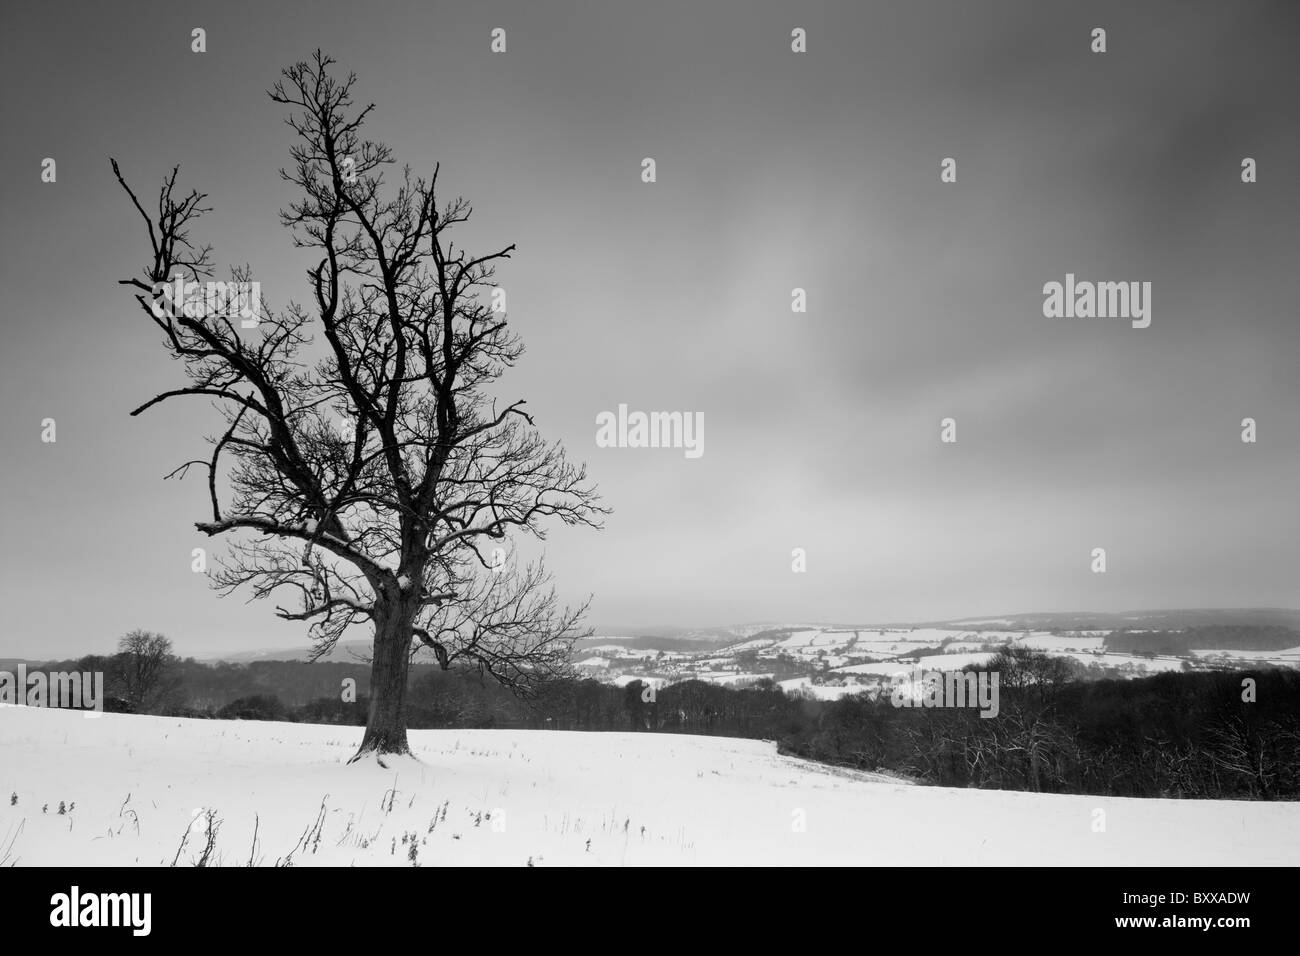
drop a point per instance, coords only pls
(389, 668)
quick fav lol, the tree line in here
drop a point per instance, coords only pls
(1205, 734)
(1208, 734)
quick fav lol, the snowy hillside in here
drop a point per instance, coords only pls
(131, 786)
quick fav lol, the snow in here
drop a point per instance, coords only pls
(1290, 656)
(868, 641)
(933, 635)
(953, 662)
(880, 670)
(753, 644)
(810, 638)
(1043, 641)
(625, 653)
(731, 677)
(1144, 664)
(622, 680)
(819, 691)
(957, 646)
(939, 662)
(556, 798)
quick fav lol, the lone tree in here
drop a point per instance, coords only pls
(142, 661)
(372, 476)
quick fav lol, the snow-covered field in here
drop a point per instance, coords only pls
(754, 644)
(1039, 640)
(1142, 665)
(131, 786)
(730, 678)
(811, 638)
(819, 691)
(1289, 657)
(931, 662)
(624, 653)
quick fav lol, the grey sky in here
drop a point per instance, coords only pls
(775, 171)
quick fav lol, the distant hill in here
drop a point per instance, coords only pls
(1229, 637)
(344, 652)
(1162, 620)
(649, 643)
(689, 639)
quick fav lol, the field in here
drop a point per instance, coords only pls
(131, 788)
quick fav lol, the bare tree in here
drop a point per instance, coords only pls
(142, 660)
(375, 472)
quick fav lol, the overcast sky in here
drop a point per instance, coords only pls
(775, 170)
